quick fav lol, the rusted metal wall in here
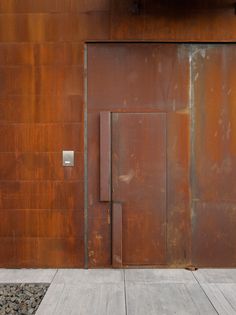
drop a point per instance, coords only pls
(214, 155)
(42, 110)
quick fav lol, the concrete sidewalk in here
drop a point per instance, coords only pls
(132, 291)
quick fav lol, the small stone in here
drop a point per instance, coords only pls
(21, 299)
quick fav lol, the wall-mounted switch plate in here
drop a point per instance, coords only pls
(68, 158)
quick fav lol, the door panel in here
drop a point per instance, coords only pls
(139, 184)
(214, 189)
(176, 80)
(138, 78)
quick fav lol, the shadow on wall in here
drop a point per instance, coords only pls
(179, 8)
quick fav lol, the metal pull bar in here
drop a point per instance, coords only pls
(117, 235)
(105, 156)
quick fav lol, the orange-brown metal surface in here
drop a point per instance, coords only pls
(139, 182)
(149, 83)
(42, 109)
(196, 20)
(99, 213)
(200, 138)
(41, 114)
(105, 156)
(138, 77)
(179, 189)
(214, 161)
(117, 234)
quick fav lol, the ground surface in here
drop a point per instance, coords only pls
(21, 298)
(132, 292)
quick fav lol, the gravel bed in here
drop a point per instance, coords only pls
(21, 299)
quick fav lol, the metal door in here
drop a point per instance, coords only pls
(139, 187)
(137, 129)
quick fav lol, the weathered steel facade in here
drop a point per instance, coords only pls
(160, 111)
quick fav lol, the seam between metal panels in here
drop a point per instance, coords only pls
(85, 157)
(167, 187)
(111, 191)
(155, 41)
(192, 142)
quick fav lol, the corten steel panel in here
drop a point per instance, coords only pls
(213, 72)
(80, 20)
(41, 109)
(139, 77)
(43, 223)
(99, 218)
(54, 6)
(117, 239)
(171, 96)
(53, 53)
(26, 252)
(214, 242)
(105, 156)
(29, 6)
(178, 179)
(41, 114)
(201, 20)
(38, 166)
(139, 183)
(215, 140)
(55, 27)
(40, 137)
(52, 80)
(41, 194)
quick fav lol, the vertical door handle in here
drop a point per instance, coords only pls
(105, 187)
(105, 156)
(117, 235)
